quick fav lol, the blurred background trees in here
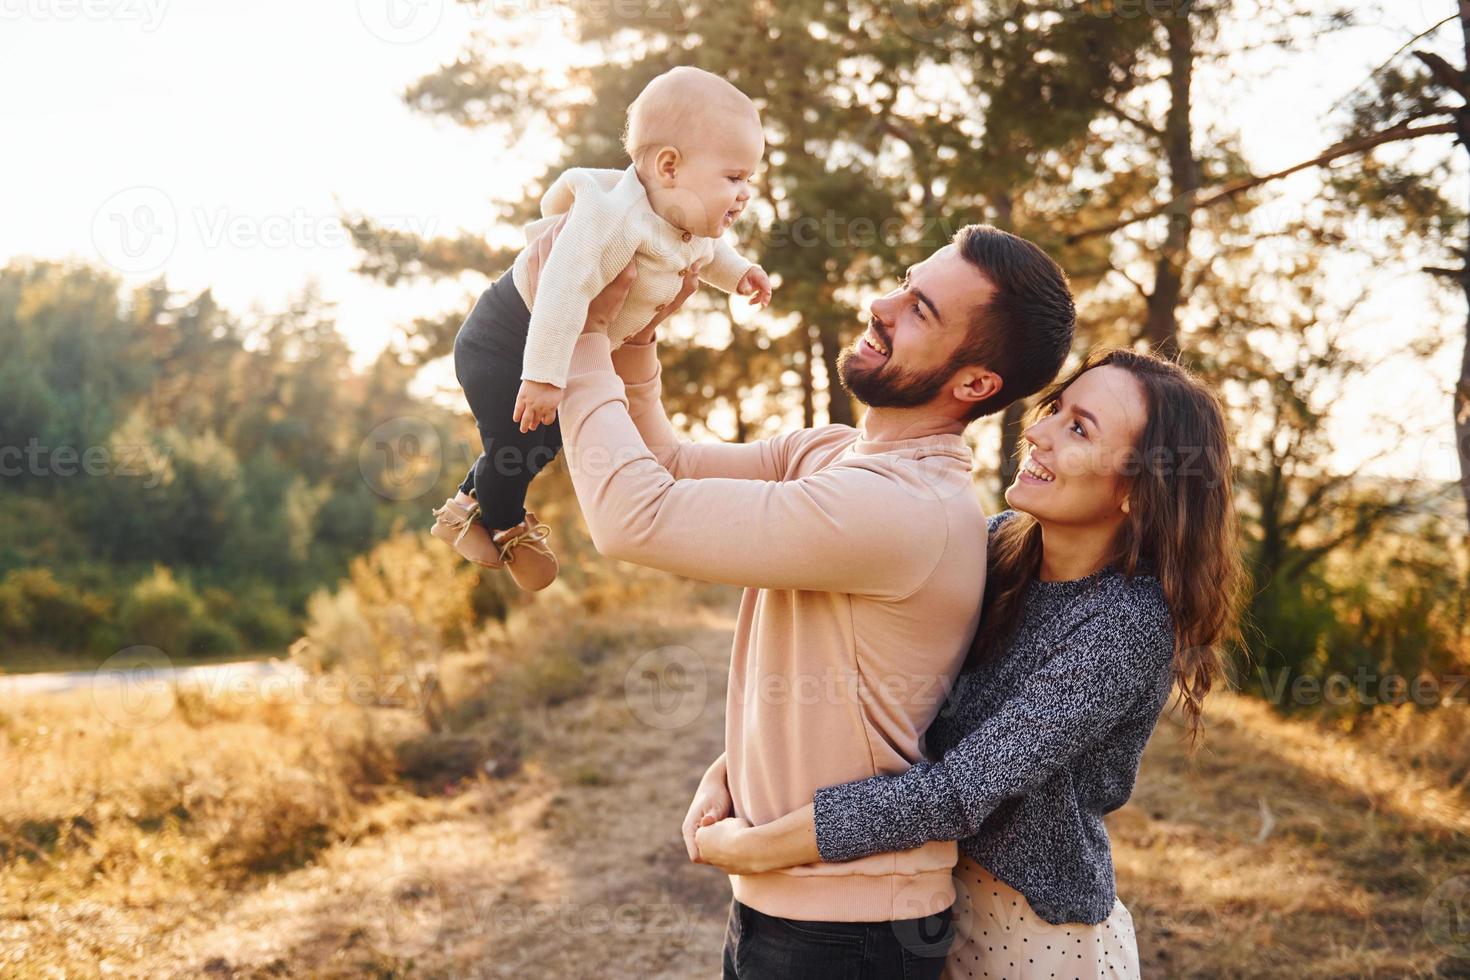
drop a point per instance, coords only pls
(177, 475)
(1100, 129)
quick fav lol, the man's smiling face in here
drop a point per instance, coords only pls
(905, 356)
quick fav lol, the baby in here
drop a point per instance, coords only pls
(695, 141)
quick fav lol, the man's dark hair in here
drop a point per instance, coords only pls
(1024, 333)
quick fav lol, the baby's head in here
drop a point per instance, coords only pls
(696, 141)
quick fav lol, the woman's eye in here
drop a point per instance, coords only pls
(917, 312)
(1078, 428)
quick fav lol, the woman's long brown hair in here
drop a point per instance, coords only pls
(1180, 525)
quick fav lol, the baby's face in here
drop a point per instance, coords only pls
(713, 180)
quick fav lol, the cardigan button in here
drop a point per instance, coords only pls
(683, 272)
(659, 308)
(686, 236)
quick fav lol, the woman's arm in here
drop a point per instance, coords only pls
(737, 848)
(1061, 710)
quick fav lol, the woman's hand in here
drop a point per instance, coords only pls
(731, 845)
(711, 803)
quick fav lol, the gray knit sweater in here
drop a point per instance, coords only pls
(1036, 746)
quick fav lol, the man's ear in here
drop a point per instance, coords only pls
(666, 164)
(976, 384)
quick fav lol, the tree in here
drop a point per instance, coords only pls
(1405, 98)
(887, 131)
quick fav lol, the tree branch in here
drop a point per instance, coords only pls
(1200, 199)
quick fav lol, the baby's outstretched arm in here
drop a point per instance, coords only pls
(536, 404)
(757, 285)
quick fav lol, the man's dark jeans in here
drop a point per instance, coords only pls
(767, 947)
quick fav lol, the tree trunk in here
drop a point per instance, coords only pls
(1462, 389)
(839, 405)
(1010, 441)
(808, 382)
(1462, 415)
(1161, 327)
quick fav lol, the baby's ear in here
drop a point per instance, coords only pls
(666, 162)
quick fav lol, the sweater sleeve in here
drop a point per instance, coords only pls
(591, 249)
(832, 531)
(1060, 710)
(762, 459)
(726, 268)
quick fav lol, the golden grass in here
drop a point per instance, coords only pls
(265, 838)
(1287, 849)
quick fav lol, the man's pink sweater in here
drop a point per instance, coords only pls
(863, 564)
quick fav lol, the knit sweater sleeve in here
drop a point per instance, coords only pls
(760, 459)
(594, 245)
(1061, 709)
(726, 268)
(820, 532)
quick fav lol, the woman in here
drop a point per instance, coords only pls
(1113, 578)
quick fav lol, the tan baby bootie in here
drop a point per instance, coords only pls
(524, 551)
(460, 527)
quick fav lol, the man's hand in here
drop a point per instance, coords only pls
(686, 289)
(536, 404)
(755, 284)
(711, 803)
(731, 846)
(604, 308)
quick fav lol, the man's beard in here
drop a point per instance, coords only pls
(885, 386)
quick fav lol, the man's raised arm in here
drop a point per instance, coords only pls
(764, 459)
(855, 529)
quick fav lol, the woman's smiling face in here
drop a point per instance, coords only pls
(1080, 454)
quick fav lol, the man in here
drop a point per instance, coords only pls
(862, 554)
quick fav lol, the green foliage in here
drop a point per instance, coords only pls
(1387, 606)
(162, 612)
(38, 610)
(148, 430)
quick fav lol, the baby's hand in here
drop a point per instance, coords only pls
(755, 284)
(536, 404)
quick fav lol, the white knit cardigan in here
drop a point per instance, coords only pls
(612, 223)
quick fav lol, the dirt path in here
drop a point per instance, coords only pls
(1283, 850)
(571, 868)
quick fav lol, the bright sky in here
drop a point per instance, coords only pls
(216, 142)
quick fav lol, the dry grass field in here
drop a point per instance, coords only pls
(215, 834)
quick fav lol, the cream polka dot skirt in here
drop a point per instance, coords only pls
(998, 935)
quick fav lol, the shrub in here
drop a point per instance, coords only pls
(37, 609)
(387, 625)
(209, 637)
(163, 612)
